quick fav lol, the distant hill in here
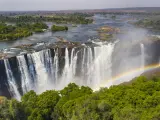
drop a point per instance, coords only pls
(134, 9)
(143, 9)
(107, 10)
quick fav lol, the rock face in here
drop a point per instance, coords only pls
(2, 99)
(104, 36)
(26, 46)
(109, 29)
(31, 48)
(63, 44)
(152, 73)
(3, 55)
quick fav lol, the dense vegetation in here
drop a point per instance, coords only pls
(139, 100)
(149, 23)
(76, 18)
(20, 30)
(28, 24)
(59, 28)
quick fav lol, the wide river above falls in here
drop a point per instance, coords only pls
(81, 33)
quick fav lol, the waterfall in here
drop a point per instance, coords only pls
(89, 63)
(66, 74)
(69, 70)
(102, 70)
(142, 57)
(41, 71)
(41, 80)
(25, 77)
(96, 65)
(11, 81)
(83, 66)
(56, 67)
(32, 70)
(49, 66)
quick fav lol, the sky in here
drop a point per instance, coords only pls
(32, 5)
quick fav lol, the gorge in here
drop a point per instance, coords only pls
(53, 65)
(90, 65)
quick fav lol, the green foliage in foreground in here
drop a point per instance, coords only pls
(20, 30)
(59, 28)
(139, 100)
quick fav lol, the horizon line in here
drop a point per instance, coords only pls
(74, 9)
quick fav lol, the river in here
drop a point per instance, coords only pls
(81, 33)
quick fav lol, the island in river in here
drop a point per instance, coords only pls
(24, 26)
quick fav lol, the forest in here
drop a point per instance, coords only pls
(76, 18)
(20, 30)
(152, 22)
(59, 28)
(136, 100)
(19, 26)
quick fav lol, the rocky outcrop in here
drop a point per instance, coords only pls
(107, 32)
(30, 48)
(2, 99)
(109, 29)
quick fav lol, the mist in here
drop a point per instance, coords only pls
(129, 54)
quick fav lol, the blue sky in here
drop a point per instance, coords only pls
(7, 5)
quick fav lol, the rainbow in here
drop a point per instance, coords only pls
(127, 76)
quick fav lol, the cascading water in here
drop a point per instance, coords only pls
(142, 57)
(25, 77)
(69, 70)
(11, 81)
(102, 64)
(56, 67)
(44, 69)
(89, 66)
(41, 76)
(66, 76)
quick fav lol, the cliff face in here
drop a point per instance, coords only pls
(3, 80)
(152, 50)
(129, 56)
(13, 69)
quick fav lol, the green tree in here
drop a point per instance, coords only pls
(59, 28)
